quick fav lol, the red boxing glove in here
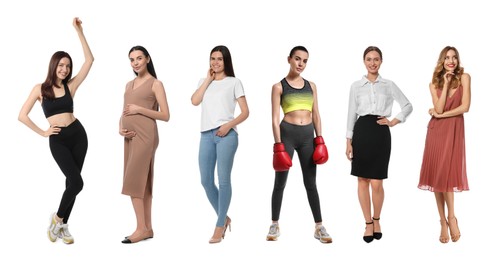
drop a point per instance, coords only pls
(320, 155)
(281, 160)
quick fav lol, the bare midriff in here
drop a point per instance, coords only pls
(298, 117)
(61, 120)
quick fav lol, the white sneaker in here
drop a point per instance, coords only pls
(65, 234)
(322, 235)
(54, 228)
(273, 232)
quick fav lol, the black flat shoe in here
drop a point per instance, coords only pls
(126, 241)
(144, 236)
(368, 239)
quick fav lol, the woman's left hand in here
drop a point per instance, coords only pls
(223, 130)
(383, 121)
(131, 109)
(77, 23)
(433, 113)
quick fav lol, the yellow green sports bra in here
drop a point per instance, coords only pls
(293, 99)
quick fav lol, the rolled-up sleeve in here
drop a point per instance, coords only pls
(402, 100)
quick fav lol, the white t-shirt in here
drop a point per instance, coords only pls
(219, 102)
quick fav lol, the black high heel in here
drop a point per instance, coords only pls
(377, 235)
(368, 239)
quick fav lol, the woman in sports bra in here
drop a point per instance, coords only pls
(298, 99)
(67, 137)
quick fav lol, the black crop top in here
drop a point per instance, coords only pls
(58, 105)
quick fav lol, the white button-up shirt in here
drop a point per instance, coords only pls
(375, 98)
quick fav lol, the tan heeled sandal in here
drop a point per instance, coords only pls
(455, 234)
(444, 237)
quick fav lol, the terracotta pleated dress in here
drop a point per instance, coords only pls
(139, 152)
(444, 162)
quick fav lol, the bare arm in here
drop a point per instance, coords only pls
(465, 101)
(317, 122)
(225, 128)
(34, 96)
(89, 59)
(198, 95)
(276, 111)
(440, 102)
(162, 114)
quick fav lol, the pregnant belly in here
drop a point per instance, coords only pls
(134, 122)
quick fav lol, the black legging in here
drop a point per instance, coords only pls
(69, 148)
(299, 138)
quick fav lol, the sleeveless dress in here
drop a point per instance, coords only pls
(139, 152)
(444, 162)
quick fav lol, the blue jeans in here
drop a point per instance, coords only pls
(221, 151)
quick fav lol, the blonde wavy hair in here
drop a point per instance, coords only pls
(439, 71)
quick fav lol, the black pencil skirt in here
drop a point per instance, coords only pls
(371, 148)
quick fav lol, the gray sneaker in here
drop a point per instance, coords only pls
(322, 235)
(273, 232)
(54, 228)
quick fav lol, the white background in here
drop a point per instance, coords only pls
(259, 34)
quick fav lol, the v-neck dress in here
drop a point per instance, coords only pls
(139, 152)
(444, 162)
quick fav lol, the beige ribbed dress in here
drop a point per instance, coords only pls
(139, 152)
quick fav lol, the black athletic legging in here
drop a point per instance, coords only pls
(299, 138)
(69, 148)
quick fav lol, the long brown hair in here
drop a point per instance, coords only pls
(51, 78)
(439, 71)
(149, 67)
(226, 59)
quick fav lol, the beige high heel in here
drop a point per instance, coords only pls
(455, 234)
(227, 224)
(444, 237)
(219, 234)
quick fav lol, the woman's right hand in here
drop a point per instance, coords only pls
(447, 77)
(348, 150)
(52, 130)
(211, 74)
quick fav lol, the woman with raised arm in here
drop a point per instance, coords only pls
(67, 137)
